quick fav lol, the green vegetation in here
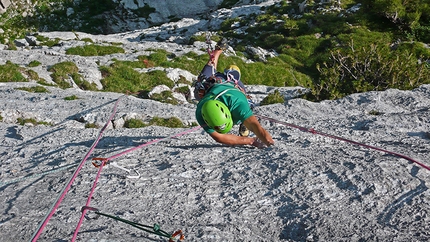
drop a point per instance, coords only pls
(172, 122)
(10, 72)
(165, 97)
(61, 72)
(378, 47)
(32, 121)
(91, 126)
(36, 89)
(70, 98)
(94, 50)
(121, 77)
(34, 63)
(47, 41)
(32, 75)
(375, 112)
(64, 71)
(134, 123)
(275, 97)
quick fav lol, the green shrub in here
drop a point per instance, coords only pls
(63, 71)
(165, 97)
(184, 90)
(422, 33)
(22, 121)
(351, 70)
(120, 77)
(33, 121)
(272, 98)
(43, 82)
(94, 50)
(172, 122)
(70, 98)
(194, 38)
(36, 89)
(34, 63)
(51, 42)
(375, 112)
(134, 123)
(91, 126)
(10, 72)
(32, 75)
(88, 40)
(82, 83)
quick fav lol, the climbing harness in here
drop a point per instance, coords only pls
(150, 229)
(313, 131)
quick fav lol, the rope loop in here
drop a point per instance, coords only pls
(85, 208)
(104, 161)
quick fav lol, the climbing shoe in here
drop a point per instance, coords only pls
(221, 45)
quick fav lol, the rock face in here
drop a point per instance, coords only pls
(178, 8)
(4, 4)
(305, 188)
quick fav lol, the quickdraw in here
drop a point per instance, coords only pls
(155, 229)
(106, 161)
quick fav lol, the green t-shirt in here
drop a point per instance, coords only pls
(233, 98)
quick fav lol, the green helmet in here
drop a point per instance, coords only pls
(217, 116)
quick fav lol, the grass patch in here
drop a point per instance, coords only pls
(134, 123)
(272, 98)
(94, 50)
(61, 72)
(64, 72)
(91, 126)
(11, 72)
(47, 41)
(165, 97)
(70, 98)
(172, 122)
(375, 112)
(34, 63)
(32, 121)
(35, 89)
(121, 77)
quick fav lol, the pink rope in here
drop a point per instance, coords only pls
(105, 160)
(75, 234)
(75, 174)
(152, 142)
(346, 140)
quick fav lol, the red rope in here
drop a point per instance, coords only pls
(148, 143)
(72, 179)
(346, 140)
(105, 160)
(88, 201)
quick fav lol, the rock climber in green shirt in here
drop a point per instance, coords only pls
(223, 103)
